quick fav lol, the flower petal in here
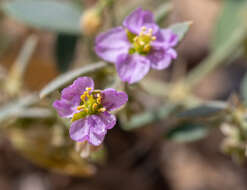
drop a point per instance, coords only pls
(64, 107)
(169, 37)
(103, 120)
(74, 91)
(99, 125)
(70, 98)
(79, 130)
(95, 139)
(96, 125)
(108, 119)
(159, 59)
(113, 99)
(109, 45)
(132, 68)
(138, 19)
(172, 53)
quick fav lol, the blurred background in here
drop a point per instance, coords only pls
(34, 53)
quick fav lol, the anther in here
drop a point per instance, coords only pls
(95, 106)
(97, 91)
(98, 100)
(83, 97)
(143, 28)
(102, 109)
(141, 43)
(147, 47)
(80, 107)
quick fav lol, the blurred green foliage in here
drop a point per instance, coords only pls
(187, 132)
(58, 16)
(49, 145)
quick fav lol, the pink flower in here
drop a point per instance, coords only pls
(137, 46)
(89, 109)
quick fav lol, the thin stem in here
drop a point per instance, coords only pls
(15, 77)
(163, 12)
(215, 59)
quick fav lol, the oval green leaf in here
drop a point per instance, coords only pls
(187, 133)
(59, 16)
(181, 29)
(205, 110)
(148, 117)
(230, 19)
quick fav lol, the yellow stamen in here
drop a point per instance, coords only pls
(83, 97)
(91, 103)
(95, 106)
(98, 100)
(102, 109)
(142, 42)
(143, 28)
(147, 47)
(80, 107)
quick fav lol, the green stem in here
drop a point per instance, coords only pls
(216, 59)
(163, 12)
(149, 117)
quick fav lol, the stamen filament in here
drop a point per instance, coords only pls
(142, 42)
(91, 103)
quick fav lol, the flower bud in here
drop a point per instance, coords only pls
(90, 21)
(85, 149)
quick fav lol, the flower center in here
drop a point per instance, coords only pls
(142, 42)
(91, 103)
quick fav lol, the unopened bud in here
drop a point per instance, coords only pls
(90, 22)
(85, 149)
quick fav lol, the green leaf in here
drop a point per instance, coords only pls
(59, 16)
(187, 133)
(68, 77)
(14, 108)
(230, 19)
(65, 50)
(244, 89)
(14, 81)
(206, 110)
(148, 117)
(181, 29)
(35, 113)
(216, 58)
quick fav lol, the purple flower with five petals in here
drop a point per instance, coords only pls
(137, 46)
(89, 109)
